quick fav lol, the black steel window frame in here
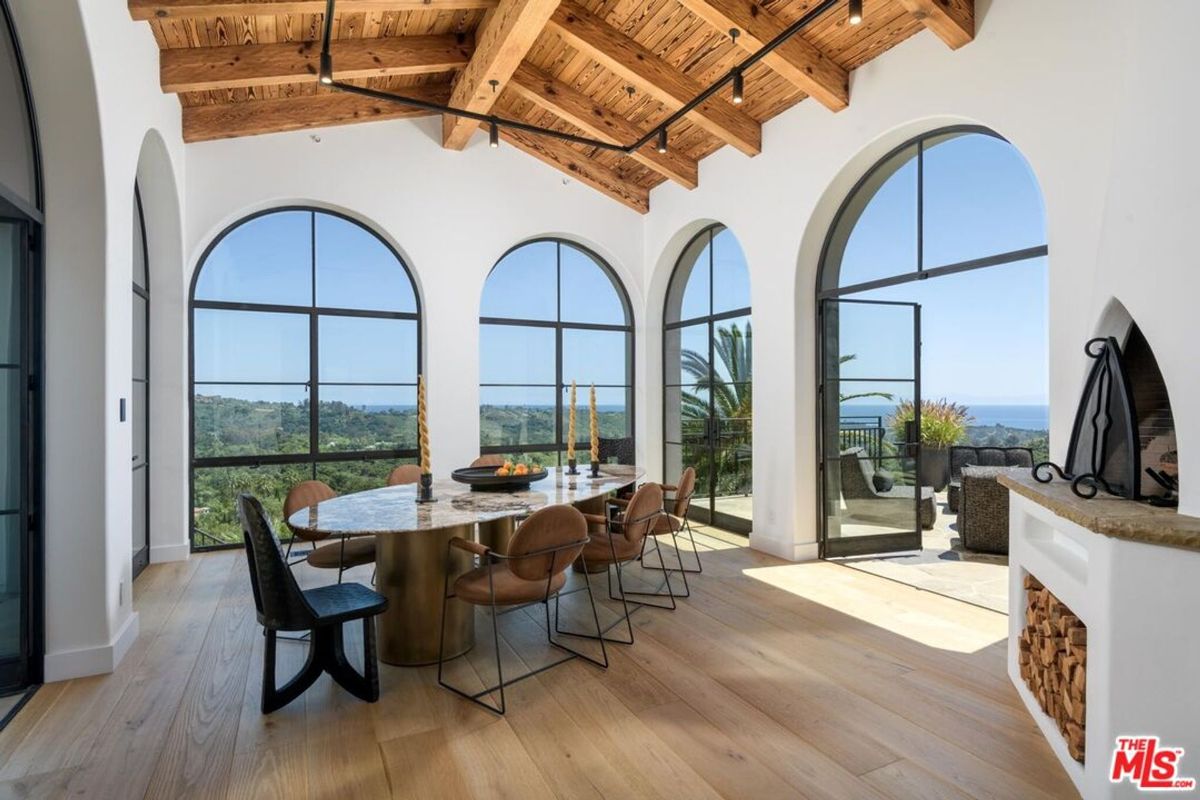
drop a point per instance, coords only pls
(735, 524)
(25, 669)
(142, 557)
(562, 383)
(834, 291)
(314, 457)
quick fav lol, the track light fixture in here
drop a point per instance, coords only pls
(325, 75)
(658, 134)
(856, 12)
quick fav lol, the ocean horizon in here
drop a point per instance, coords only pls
(1022, 417)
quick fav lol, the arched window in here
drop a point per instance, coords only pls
(707, 368)
(306, 345)
(932, 287)
(139, 413)
(552, 313)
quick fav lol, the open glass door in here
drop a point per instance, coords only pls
(870, 417)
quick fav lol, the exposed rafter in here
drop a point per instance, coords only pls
(635, 63)
(182, 9)
(501, 42)
(594, 119)
(229, 120)
(565, 158)
(952, 20)
(806, 67)
(195, 69)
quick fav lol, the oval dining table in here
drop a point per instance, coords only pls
(412, 543)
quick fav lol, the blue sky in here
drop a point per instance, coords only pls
(984, 331)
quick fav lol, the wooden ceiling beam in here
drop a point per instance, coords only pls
(568, 160)
(198, 69)
(325, 109)
(182, 9)
(637, 64)
(501, 43)
(596, 120)
(796, 60)
(952, 20)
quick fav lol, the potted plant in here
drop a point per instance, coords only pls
(943, 424)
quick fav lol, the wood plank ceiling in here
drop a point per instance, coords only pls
(607, 69)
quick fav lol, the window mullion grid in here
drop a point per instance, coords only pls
(314, 351)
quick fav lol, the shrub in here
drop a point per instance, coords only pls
(943, 423)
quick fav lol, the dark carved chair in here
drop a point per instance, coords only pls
(968, 456)
(282, 606)
(533, 570)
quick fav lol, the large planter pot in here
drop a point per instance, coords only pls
(935, 468)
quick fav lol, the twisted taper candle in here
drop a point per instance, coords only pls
(422, 426)
(595, 426)
(571, 425)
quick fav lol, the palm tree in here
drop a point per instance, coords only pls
(730, 388)
(842, 398)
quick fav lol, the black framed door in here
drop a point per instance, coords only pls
(20, 624)
(870, 396)
(139, 416)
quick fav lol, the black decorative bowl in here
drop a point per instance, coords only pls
(485, 479)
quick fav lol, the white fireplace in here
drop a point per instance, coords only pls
(1131, 573)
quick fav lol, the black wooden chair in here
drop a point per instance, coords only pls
(283, 606)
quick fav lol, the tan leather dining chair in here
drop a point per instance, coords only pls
(675, 520)
(534, 570)
(620, 537)
(404, 474)
(341, 555)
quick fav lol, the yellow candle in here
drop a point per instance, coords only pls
(571, 425)
(422, 426)
(595, 426)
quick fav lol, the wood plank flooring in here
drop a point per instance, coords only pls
(772, 680)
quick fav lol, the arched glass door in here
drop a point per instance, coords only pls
(139, 416)
(707, 364)
(20, 394)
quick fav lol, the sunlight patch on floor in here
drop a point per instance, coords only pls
(923, 617)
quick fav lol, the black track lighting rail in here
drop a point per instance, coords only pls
(658, 134)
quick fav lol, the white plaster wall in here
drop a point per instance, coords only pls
(450, 214)
(1044, 75)
(93, 114)
(1092, 93)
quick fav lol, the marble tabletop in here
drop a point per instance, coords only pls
(393, 509)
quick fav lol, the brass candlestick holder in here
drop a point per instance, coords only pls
(425, 489)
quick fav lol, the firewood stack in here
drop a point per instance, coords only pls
(1053, 661)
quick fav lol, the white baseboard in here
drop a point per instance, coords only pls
(92, 660)
(163, 553)
(787, 550)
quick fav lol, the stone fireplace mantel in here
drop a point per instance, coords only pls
(1131, 573)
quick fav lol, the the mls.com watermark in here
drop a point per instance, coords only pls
(1149, 766)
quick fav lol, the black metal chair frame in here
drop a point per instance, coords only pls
(686, 523)
(624, 595)
(327, 652)
(491, 558)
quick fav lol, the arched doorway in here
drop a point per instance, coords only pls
(708, 380)
(932, 284)
(20, 356)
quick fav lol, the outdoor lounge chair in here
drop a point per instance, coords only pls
(867, 503)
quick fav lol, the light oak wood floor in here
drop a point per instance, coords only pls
(773, 680)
